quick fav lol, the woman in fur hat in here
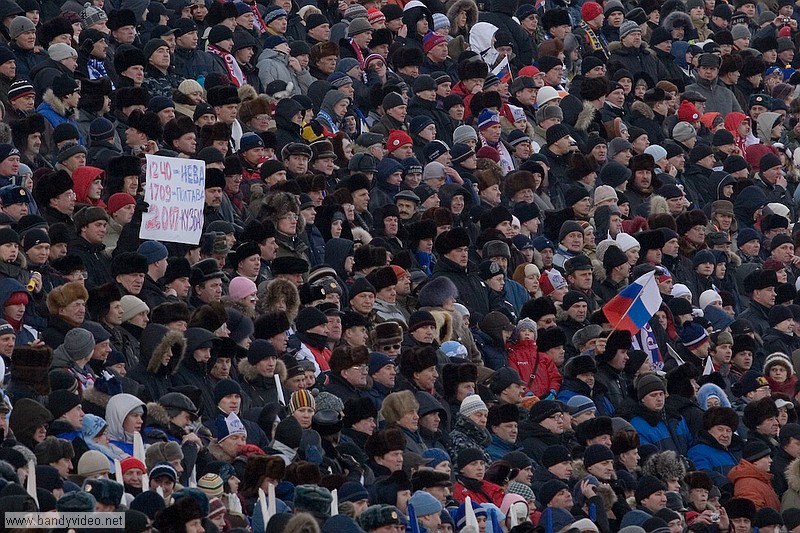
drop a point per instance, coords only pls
(67, 308)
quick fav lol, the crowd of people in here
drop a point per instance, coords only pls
(415, 214)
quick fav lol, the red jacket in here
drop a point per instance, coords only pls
(536, 369)
(494, 492)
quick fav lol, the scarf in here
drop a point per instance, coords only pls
(97, 69)
(262, 26)
(234, 72)
(359, 54)
(330, 121)
(315, 340)
(597, 44)
(506, 161)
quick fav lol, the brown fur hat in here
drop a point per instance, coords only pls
(210, 316)
(387, 333)
(63, 295)
(251, 108)
(303, 473)
(386, 440)
(29, 366)
(518, 181)
(279, 204)
(259, 467)
(345, 357)
(698, 480)
(325, 49)
(624, 441)
(397, 405)
(486, 178)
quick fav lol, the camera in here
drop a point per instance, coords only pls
(715, 518)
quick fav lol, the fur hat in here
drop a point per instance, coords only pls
(63, 295)
(128, 263)
(29, 366)
(593, 428)
(398, 404)
(618, 340)
(501, 414)
(345, 357)
(698, 480)
(417, 360)
(450, 240)
(100, 299)
(453, 374)
(686, 221)
(209, 316)
(437, 292)
(386, 333)
(469, 70)
(756, 412)
(386, 440)
(664, 465)
(52, 185)
(624, 441)
(518, 181)
(407, 56)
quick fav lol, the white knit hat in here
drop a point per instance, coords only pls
(708, 297)
(472, 404)
(627, 242)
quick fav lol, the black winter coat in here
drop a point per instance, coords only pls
(472, 292)
(155, 377)
(500, 15)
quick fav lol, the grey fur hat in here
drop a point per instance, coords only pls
(436, 292)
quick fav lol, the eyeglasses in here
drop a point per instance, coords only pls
(359, 368)
(391, 347)
(262, 118)
(80, 274)
(558, 416)
(290, 216)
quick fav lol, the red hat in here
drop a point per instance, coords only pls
(397, 138)
(487, 152)
(687, 111)
(786, 31)
(119, 200)
(375, 15)
(430, 41)
(131, 462)
(529, 71)
(590, 11)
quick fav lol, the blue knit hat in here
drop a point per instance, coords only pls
(425, 503)
(437, 455)
(153, 251)
(487, 118)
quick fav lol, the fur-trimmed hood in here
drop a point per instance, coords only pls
(643, 109)
(157, 414)
(793, 475)
(272, 292)
(238, 305)
(463, 5)
(156, 341)
(658, 205)
(585, 117)
(250, 373)
(670, 20)
(55, 103)
(92, 395)
(444, 325)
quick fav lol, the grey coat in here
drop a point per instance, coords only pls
(719, 98)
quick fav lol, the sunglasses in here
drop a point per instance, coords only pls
(392, 347)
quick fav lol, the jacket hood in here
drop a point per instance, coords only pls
(733, 121)
(54, 102)
(793, 475)
(679, 53)
(119, 406)
(9, 286)
(337, 251)
(468, 6)
(747, 202)
(506, 7)
(285, 112)
(27, 415)
(764, 125)
(745, 470)
(155, 342)
(708, 390)
(82, 178)
(330, 100)
(719, 180)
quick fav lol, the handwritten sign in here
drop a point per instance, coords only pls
(175, 191)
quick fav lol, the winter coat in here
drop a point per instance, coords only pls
(287, 132)
(709, 456)
(26, 60)
(535, 439)
(719, 98)
(493, 354)
(159, 84)
(155, 343)
(614, 382)
(758, 315)
(56, 113)
(45, 73)
(472, 292)
(418, 107)
(192, 372)
(479, 491)
(94, 260)
(466, 434)
(643, 116)
(753, 484)
(640, 59)
(259, 390)
(500, 15)
(192, 64)
(688, 409)
(536, 369)
(663, 430)
(573, 387)
(273, 65)
(339, 387)
(25, 418)
(499, 448)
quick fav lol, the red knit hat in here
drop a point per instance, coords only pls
(131, 462)
(119, 200)
(430, 41)
(487, 152)
(397, 138)
(688, 112)
(375, 15)
(590, 11)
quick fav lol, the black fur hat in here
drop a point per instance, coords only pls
(698, 480)
(53, 28)
(20, 129)
(357, 410)
(51, 185)
(536, 309)
(126, 57)
(740, 508)
(427, 477)
(758, 411)
(169, 312)
(450, 240)
(369, 256)
(178, 127)
(679, 380)
(29, 366)
(124, 165)
(501, 414)
(128, 263)
(767, 42)
(551, 338)
(407, 56)
(593, 428)
(270, 324)
(650, 240)
(472, 69)
(417, 360)
(384, 441)
(222, 95)
(93, 93)
(555, 17)
(120, 18)
(453, 374)
(382, 278)
(720, 416)
(100, 299)
(147, 123)
(752, 66)
(424, 229)
(618, 340)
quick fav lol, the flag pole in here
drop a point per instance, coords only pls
(638, 296)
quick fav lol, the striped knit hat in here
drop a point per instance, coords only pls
(301, 398)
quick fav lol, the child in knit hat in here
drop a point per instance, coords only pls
(302, 406)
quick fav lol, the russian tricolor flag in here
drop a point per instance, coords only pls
(635, 305)
(503, 71)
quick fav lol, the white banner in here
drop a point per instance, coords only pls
(175, 191)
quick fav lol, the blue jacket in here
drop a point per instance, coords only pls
(494, 357)
(708, 456)
(573, 386)
(516, 294)
(498, 448)
(55, 119)
(670, 433)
